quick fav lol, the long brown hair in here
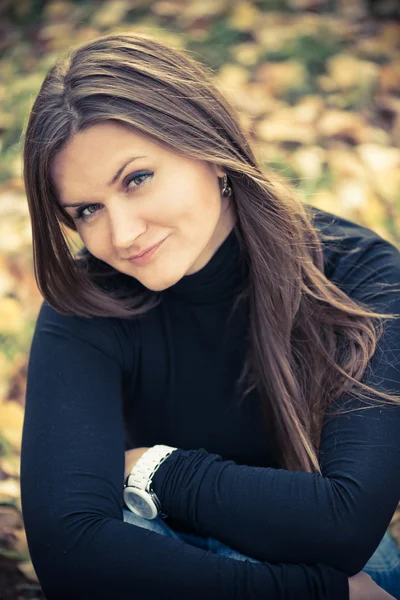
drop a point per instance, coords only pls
(308, 341)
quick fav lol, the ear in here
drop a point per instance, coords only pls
(219, 171)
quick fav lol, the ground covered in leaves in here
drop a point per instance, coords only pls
(317, 85)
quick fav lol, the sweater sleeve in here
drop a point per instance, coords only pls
(72, 472)
(338, 518)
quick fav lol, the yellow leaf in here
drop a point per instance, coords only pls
(348, 71)
(10, 518)
(278, 78)
(9, 490)
(326, 200)
(11, 316)
(343, 124)
(275, 129)
(345, 163)
(232, 76)
(53, 11)
(11, 422)
(387, 184)
(5, 372)
(247, 54)
(309, 161)
(110, 13)
(390, 77)
(10, 466)
(20, 544)
(378, 158)
(195, 11)
(243, 17)
(27, 569)
(308, 109)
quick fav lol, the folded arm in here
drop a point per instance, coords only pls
(338, 518)
(72, 473)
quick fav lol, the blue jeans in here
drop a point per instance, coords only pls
(383, 566)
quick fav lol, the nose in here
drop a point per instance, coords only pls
(125, 228)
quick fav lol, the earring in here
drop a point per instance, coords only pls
(226, 190)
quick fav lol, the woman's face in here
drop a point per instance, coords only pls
(158, 195)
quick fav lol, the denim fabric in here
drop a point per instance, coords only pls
(383, 566)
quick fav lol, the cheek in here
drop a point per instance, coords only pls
(197, 203)
(95, 242)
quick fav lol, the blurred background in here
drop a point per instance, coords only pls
(317, 85)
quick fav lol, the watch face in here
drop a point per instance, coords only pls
(140, 503)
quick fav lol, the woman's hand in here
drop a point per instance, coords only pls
(362, 587)
(131, 458)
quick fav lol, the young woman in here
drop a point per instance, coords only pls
(234, 350)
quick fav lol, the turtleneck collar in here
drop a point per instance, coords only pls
(220, 279)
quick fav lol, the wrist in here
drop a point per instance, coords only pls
(163, 474)
(131, 458)
(139, 495)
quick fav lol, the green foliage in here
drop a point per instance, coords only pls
(17, 342)
(215, 50)
(312, 51)
(5, 447)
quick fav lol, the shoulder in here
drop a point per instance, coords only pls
(113, 337)
(340, 234)
(353, 252)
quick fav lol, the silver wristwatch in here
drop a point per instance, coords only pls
(138, 495)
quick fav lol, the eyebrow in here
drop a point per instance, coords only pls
(110, 183)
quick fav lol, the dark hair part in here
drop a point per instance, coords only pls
(308, 341)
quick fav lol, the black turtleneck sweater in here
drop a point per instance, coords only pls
(176, 369)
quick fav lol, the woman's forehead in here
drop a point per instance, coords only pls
(99, 151)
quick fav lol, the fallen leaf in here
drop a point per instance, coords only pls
(352, 193)
(343, 124)
(11, 316)
(277, 128)
(347, 71)
(244, 16)
(389, 80)
(232, 76)
(379, 158)
(28, 570)
(325, 199)
(57, 10)
(192, 12)
(387, 184)
(285, 132)
(308, 109)
(110, 13)
(11, 419)
(9, 490)
(247, 54)
(279, 78)
(309, 161)
(10, 518)
(345, 164)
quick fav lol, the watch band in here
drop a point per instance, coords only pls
(142, 473)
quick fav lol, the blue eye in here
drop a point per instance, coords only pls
(80, 212)
(134, 176)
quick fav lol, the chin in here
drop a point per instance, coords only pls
(167, 281)
(158, 286)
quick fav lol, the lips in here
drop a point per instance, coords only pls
(145, 252)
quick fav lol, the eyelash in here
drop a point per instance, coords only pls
(79, 213)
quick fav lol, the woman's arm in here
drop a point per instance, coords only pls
(72, 473)
(338, 518)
